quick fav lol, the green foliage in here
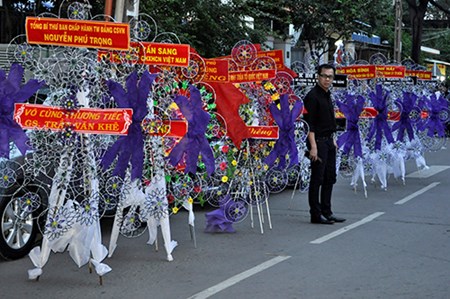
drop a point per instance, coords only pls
(213, 27)
(436, 33)
(322, 20)
(210, 26)
(406, 45)
(439, 40)
(426, 22)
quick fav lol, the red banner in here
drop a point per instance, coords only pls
(151, 54)
(276, 55)
(164, 54)
(370, 112)
(390, 71)
(83, 120)
(216, 71)
(174, 128)
(78, 33)
(358, 71)
(422, 75)
(263, 132)
(178, 128)
(251, 76)
(381, 71)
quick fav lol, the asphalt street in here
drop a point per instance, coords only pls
(394, 244)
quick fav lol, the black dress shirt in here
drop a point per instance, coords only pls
(320, 112)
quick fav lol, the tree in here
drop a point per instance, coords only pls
(436, 33)
(13, 14)
(417, 10)
(212, 27)
(321, 21)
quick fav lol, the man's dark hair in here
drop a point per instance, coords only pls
(325, 66)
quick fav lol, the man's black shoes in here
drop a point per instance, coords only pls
(326, 219)
(321, 220)
(335, 219)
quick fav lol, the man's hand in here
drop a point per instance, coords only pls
(313, 154)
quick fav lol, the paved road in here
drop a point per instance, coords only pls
(395, 244)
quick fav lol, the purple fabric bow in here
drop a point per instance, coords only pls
(380, 124)
(407, 105)
(352, 109)
(11, 92)
(130, 148)
(434, 124)
(285, 144)
(194, 142)
(216, 221)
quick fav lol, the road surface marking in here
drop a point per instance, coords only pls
(239, 277)
(347, 228)
(417, 193)
(426, 173)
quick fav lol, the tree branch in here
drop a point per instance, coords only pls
(440, 7)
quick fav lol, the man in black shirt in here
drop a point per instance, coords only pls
(322, 146)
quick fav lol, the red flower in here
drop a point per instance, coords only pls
(170, 198)
(223, 166)
(225, 149)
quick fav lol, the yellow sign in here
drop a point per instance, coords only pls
(441, 68)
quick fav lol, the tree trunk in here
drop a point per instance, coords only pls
(416, 15)
(6, 25)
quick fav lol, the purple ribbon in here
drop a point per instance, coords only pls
(380, 124)
(407, 104)
(130, 148)
(11, 92)
(194, 142)
(352, 109)
(285, 119)
(434, 124)
(216, 221)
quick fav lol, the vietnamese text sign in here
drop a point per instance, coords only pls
(251, 76)
(216, 70)
(390, 71)
(78, 33)
(263, 132)
(370, 112)
(303, 80)
(178, 128)
(421, 75)
(151, 54)
(166, 128)
(83, 120)
(392, 81)
(340, 81)
(276, 55)
(358, 71)
(164, 54)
